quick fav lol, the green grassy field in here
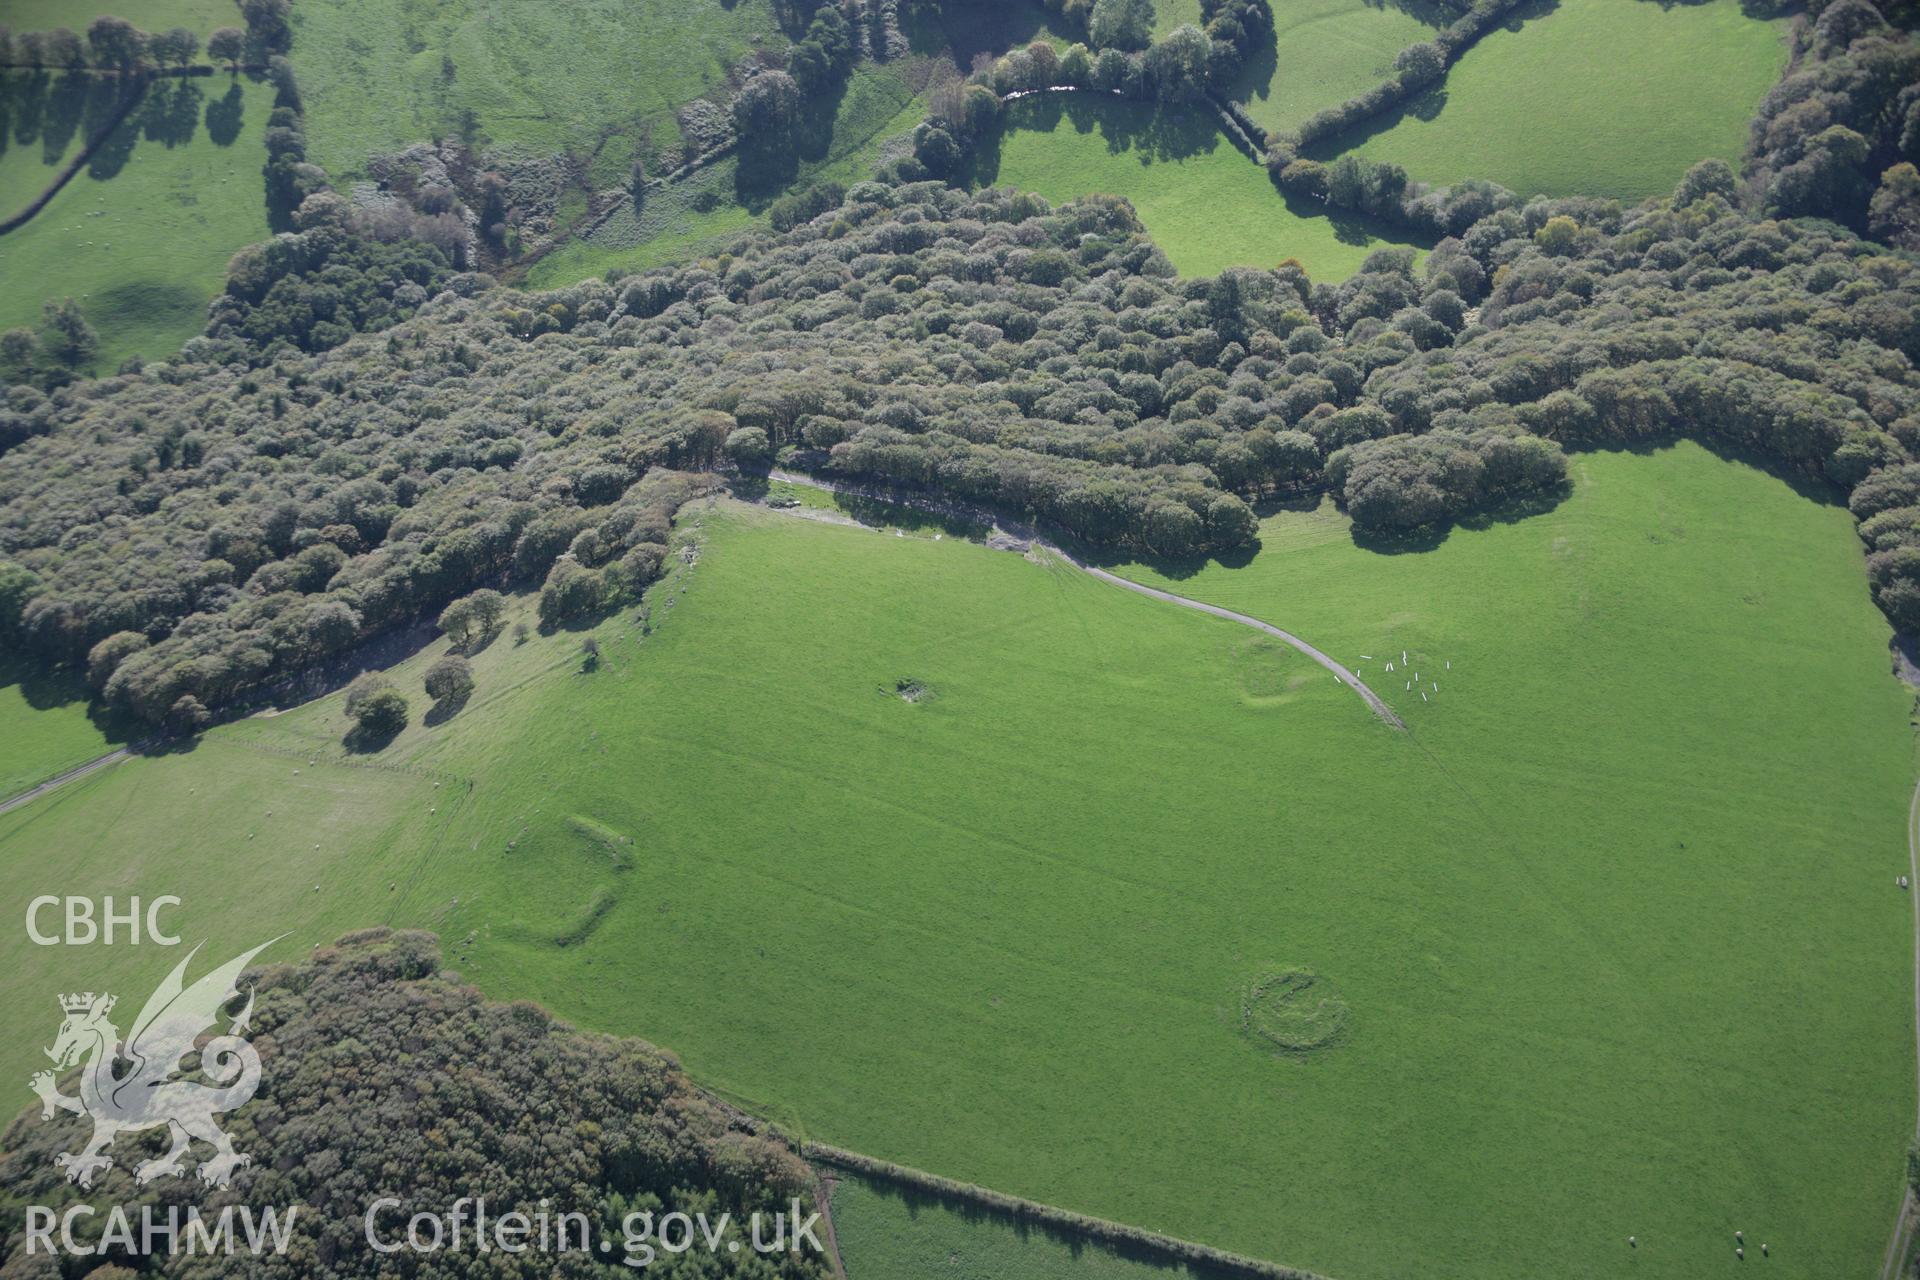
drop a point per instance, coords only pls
(875, 114)
(42, 124)
(200, 16)
(1207, 206)
(1594, 97)
(44, 728)
(887, 1234)
(1615, 927)
(142, 235)
(1322, 53)
(379, 76)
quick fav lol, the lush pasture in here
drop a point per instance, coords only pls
(885, 1234)
(381, 75)
(44, 728)
(875, 113)
(1322, 53)
(142, 235)
(1615, 927)
(1207, 205)
(1596, 97)
(43, 121)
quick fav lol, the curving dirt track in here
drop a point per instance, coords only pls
(1346, 677)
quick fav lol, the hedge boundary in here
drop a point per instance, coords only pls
(1171, 1249)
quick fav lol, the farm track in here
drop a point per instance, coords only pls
(74, 774)
(1346, 677)
(1904, 1224)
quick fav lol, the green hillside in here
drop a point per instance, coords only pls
(381, 76)
(1588, 97)
(1611, 868)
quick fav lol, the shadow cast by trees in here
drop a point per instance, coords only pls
(967, 31)
(1253, 82)
(768, 168)
(58, 113)
(1173, 568)
(171, 113)
(1151, 134)
(225, 115)
(362, 740)
(446, 709)
(1425, 107)
(48, 689)
(1028, 1230)
(1814, 488)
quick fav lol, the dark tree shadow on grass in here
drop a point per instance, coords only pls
(446, 709)
(173, 744)
(65, 104)
(171, 113)
(111, 156)
(224, 116)
(1151, 135)
(918, 1201)
(965, 31)
(1173, 568)
(765, 173)
(1254, 80)
(480, 643)
(361, 740)
(1426, 106)
(45, 690)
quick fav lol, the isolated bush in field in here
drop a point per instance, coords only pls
(382, 713)
(364, 686)
(450, 679)
(766, 111)
(473, 617)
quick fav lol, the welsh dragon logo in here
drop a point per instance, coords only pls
(144, 1093)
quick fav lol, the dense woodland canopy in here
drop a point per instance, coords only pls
(384, 1076)
(248, 510)
(367, 433)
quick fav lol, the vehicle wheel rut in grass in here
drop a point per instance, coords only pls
(1031, 538)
